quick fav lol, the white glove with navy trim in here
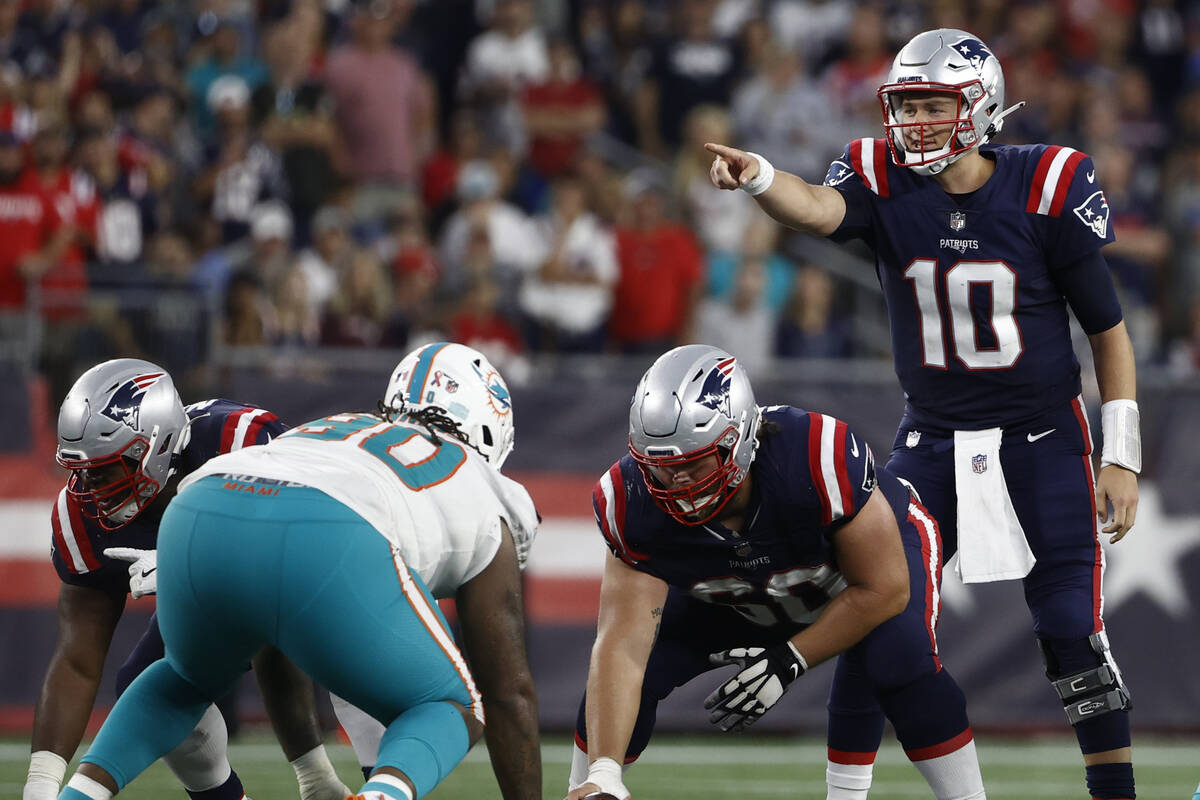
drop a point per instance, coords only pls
(763, 677)
(143, 569)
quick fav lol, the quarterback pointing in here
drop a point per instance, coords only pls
(981, 249)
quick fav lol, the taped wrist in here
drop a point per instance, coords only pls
(606, 774)
(763, 180)
(1120, 427)
(46, 773)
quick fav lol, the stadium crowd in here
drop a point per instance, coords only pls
(524, 176)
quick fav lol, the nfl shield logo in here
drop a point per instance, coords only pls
(958, 220)
(979, 464)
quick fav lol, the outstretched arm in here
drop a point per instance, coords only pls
(492, 615)
(1116, 374)
(789, 200)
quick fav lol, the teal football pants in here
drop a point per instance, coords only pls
(247, 564)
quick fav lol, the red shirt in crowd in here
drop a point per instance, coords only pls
(64, 287)
(27, 221)
(660, 268)
(554, 155)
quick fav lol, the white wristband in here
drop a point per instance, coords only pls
(1119, 425)
(46, 772)
(606, 774)
(763, 180)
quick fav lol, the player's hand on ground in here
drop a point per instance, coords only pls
(731, 168)
(143, 569)
(763, 677)
(1117, 486)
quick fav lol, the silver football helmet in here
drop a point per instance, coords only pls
(694, 402)
(463, 384)
(947, 61)
(119, 428)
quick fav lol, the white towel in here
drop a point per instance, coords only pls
(991, 542)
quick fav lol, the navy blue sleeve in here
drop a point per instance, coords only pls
(1088, 287)
(1082, 226)
(856, 224)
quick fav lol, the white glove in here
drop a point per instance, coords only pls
(764, 674)
(143, 569)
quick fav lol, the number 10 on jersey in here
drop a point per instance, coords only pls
(1001, 284)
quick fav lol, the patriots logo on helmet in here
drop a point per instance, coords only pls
(974, 51)
(1093, 212)
(714, 393)
(125, 404)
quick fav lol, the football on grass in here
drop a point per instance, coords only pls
(599, 796)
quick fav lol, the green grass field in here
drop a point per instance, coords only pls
(675, 768)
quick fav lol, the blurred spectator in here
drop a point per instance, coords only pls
(297, 322)
(758, 244)
(615, 51)
(64, 287)
(851, 81)
(810, 328)
(440, 174)
(661, 273)
(414, 278)
(219, 56)
(383, 107)
(126, 20)
(293, 112)
(359, 310)
(479, 323)
(500, 63)
(781, 115)
(326, 260)
(128, 207)
(249, 318)
(47, 41)
(269, 255)
(483, 220)
(561, 112)
(32, 239)
(240, 170)
(811, 28)
(743, 324)
(691, 67)
(718, 218)
(567, 300)
(149, 143)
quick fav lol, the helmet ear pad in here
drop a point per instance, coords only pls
(694, 402)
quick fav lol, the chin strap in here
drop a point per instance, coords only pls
(998, 122)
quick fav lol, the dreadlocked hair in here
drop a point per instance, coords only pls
(433, 419)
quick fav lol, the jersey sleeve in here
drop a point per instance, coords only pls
(860, 174)
(1066, 191)
(1088, 287)
(73, 554)
(610, 503)
(248, 426)
(841, 466)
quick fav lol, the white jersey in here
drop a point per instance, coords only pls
(440, 504)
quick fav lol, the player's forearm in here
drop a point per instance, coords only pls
(64, 707)
(614, 691)
(513, 743)
(847, 620)
(1116, 370)
(793, 202)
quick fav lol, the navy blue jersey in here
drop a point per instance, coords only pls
(975, 284)
(217, 426)
(811, 475)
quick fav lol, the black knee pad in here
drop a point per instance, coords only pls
(1085, 676)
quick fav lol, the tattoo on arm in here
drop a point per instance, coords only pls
(657, 613)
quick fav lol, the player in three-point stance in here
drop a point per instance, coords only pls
(980, 249)
(763, 539)
(344, 530)
(128, 440)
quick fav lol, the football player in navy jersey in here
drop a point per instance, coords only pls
(127, 440)
(762, 539)
(980, 250)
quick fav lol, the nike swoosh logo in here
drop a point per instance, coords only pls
(1091, 176)
(146, 572)
(853, 446)
(1034, 438)
(795, 669)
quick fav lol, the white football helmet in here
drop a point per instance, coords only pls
(953, 62)
(462, 383)
(119, 429)
(693, 402)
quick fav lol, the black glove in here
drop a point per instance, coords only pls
(764, 676)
